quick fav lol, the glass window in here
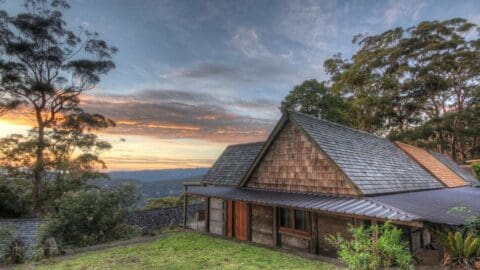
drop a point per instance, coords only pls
(285, 218)
(301, 220)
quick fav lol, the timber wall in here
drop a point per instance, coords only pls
(331, 225)
(216, 216)
(292, 163)
(262, 225)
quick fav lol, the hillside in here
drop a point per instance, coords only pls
(155, 183)
(158, 175)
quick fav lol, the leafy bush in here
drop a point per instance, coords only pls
(476, 170)
(371, 247)
(15, 252)
(163, 202)
(92, 216)
(462, 248)
(13, 201)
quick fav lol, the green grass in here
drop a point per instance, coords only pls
(183, 251)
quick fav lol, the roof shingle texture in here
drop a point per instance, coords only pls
(463, 173)
(374, 164)
(433, 165)
(233, 164)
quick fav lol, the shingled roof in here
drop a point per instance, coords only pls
(375, 165)
(232, 164)
(448, 177)
(463, 173)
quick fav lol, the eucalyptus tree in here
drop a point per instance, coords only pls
(44, 68)
(426, 76)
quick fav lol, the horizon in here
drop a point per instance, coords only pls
(194, 77)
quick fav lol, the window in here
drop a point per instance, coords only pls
(294, 219)
(285, 219)
(300, 220)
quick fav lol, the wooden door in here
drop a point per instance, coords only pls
(241, 221)
(230, 219)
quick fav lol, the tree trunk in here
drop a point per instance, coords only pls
(39, 165)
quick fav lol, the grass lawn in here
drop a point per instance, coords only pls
(183, 251)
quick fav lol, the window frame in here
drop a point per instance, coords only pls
(292, 230)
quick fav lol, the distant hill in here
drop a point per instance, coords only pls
(155, 183)
(159, 175)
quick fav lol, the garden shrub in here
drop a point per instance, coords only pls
(371, 247)
(476, 170)
(462, 248)
(92, 216)
(15, 252)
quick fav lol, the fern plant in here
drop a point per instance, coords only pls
(462, 248)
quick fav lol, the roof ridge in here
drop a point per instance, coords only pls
(337, 124)
(240, 144)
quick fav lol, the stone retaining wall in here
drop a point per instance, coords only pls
(154, 219)
(24, 230)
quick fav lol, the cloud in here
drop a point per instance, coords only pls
(170, 114)
(248, 42)
(406, 8)
(249, 71)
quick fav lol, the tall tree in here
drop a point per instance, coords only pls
(404, 78)
(46, 67)
(316, 98)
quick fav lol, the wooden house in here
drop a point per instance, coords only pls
(313, 178)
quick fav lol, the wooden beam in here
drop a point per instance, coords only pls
(185, 202)
(276, 238)
(314, 231)
(249, 221)
(207, 214)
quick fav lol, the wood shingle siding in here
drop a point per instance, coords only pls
(292, 163)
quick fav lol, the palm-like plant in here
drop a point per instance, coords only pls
(462, 248)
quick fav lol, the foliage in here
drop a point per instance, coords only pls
(44, 68)
(372, 247)
(463, 248)
(164, 202)
(70, 158)
(13, 198)
(185, 251)
(418, 84)
(91, 216)
(5, 238)
(476, 170)
(15, 252)
(314, 98)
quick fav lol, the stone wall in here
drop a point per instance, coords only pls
(24, 230)
(293, 163)
(150, 220)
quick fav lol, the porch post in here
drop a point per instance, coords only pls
(276, 240)
(314, 233)
(185, 206)
(207, 214)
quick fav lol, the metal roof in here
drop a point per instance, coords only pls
(451, 206)
(375, 165)
(232, 164)
(314, 202)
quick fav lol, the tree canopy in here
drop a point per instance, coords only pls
(44, 68)
(419, 85)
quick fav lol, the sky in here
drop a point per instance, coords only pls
(194, 76)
